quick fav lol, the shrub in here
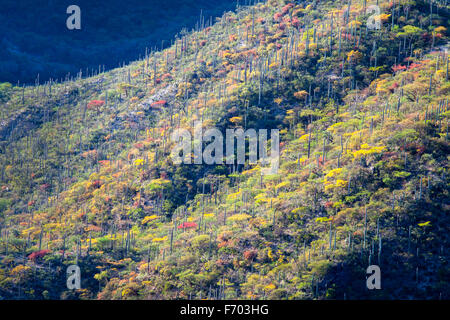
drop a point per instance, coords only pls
(95, 104)
(5, 90)
(38, 255)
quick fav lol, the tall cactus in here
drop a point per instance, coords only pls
(365, 227)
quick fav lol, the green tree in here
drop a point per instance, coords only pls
(5, 91)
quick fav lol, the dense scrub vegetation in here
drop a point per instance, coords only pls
(86, 176)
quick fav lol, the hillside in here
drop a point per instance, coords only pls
(87, 177)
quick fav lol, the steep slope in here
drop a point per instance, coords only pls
(87, 177)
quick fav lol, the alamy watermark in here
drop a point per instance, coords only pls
(73, 277)
(213, 153)
(374, 20)
(374, 280)
(74, 20)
